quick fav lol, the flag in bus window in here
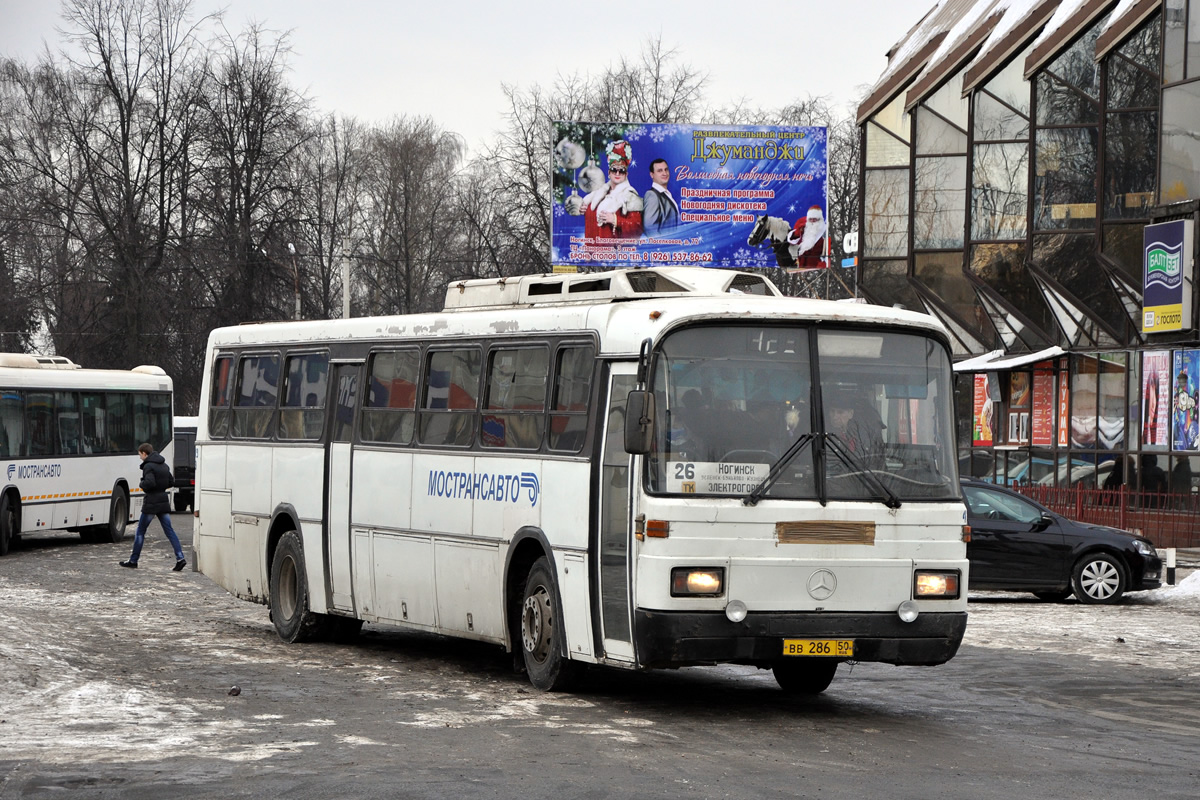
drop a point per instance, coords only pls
(438, 394)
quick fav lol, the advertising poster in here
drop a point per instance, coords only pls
(1167, 276)
(1043, 407)
(1185, 428)
(984, 413)
(1156, 406)
(1064, 408)
(645, 194)
(1019, 395)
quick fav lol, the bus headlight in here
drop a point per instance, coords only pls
(697, 581)
(928, 583)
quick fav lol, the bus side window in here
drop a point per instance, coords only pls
(572, 390)
(516, 398)
(12, 423)
(160, 420)
(451, 399)
(120, 423)
(94, 437)
(222, 393)
(67, 410)
(40, 409)
(389, 414)
(306, 385)
(254, 401)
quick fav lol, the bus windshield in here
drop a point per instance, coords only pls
(803, 413)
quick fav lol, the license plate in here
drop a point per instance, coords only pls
(837, 648)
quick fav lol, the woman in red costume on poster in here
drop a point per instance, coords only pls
(614, 211)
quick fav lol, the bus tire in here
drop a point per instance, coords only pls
(804, 676)
(181, 504)
(542, 632)
(118, 516)
(289, 593)
(8, 523)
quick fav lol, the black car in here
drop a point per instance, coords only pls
(1019, 545)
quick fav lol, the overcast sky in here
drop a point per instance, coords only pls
(375, 60)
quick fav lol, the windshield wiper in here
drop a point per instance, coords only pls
(777, 469)
(832, 441)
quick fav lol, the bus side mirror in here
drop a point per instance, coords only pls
(639, 422)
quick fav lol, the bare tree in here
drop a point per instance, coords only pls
(409, 239)
(253, 129)
(329, 179)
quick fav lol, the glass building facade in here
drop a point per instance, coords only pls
(1013, 156)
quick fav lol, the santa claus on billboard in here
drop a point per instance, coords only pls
(614, 211)
(807, 240)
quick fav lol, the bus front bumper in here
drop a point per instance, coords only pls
(675, 639)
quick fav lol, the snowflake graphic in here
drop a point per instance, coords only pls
(743, 257)
(559, 210)
(819, 170)
(817, 136)
(659, 133)
(633, 134)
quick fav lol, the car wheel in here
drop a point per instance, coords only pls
(542, 632)
(1098, 578)
(804, 675)
(1053, 597)
(289, 593)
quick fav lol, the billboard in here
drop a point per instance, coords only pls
(1167, 269)
(650, 194)
(1185, 394)
(1156, 368)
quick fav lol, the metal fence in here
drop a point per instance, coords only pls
(1167, 520)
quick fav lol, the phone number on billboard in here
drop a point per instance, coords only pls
(681, 257)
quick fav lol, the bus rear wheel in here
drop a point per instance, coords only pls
(8, 523)
(118, 516)
(542, 632)
(289, 593)
(804, 676)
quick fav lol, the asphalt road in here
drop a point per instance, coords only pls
(117, 683)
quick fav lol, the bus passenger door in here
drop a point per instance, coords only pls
(614, 513)
(338, 485)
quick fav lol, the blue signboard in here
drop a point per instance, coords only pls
(630, 195)
(1167, 264)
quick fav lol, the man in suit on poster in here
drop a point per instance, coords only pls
(661, 212)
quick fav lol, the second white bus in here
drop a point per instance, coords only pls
(637, 469)
(68, 445)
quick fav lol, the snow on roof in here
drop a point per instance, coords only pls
(961, 29)
(1066, 10)
(1123, 8)
(1014, 15)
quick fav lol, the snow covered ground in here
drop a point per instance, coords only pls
(1159, 629)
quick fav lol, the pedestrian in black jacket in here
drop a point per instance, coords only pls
(156, 479)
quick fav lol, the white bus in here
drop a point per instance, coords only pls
(68, 445)
(520, 469)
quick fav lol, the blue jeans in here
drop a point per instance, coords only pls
(140, 536)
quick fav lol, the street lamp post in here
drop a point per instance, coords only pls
(295, 277)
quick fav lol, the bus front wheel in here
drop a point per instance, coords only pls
(542, 631)
(8, 523)
(289, 593)
(802, 675)
(118, 516)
